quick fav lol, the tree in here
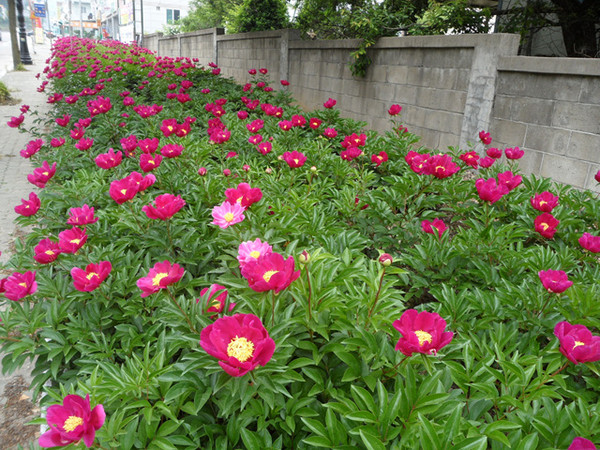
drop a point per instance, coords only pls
(258, 15)
(208, 14)
(579, 21)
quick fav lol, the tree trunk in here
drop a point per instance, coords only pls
(12, 24)
(578, 22)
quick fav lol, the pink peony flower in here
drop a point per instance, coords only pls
(71, 422)
(394, 110)
(590, 242)
(46, 251)
(42, 175)
(20, 285)
(216, 303)
(166, 205)
(29, 207)
(490, 190)
(240, 342)
(82, 216)
(554, 280)
(509, 180)
(437, 227)
(544, 202)
(89, 279)
(485, 138)
(252, 250)
(294, 159)
(421, 332)
(243, 194)
(109, 160)
(270, 272)
(514, 153)
(160, 276)
(546, 224)
(149, 162)
(494, 152)
(577, 343)
(227, 214)
(580, 443)
(70, 241)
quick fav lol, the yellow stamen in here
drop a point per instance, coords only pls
(577, 344)
(267, 275)
(91, 274)
(544, 226)
(228, 217)
(23, 285)
(72, 422)
(75, 241)
(296, 161)
(45, 173)
(49, 252)
(255, 254)
(240, 348)
(423, 337)
(123, 191)
(157, 278)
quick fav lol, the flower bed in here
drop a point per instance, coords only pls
(216, 268)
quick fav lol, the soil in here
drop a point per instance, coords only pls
(18, 410)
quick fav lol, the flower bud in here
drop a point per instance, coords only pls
(269, 170)
(226, 172)
(202, 171)
(304, 257)
(246, 168)
(386, 260)
(313, 169)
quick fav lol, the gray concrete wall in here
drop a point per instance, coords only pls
(551, 108)
(450, 88)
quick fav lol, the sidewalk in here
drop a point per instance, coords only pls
(16, 409)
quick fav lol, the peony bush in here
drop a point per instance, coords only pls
(212, 267)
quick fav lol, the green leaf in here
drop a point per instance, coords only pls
(371, 442)
(473, 443)
(251, 440)
(361, 416)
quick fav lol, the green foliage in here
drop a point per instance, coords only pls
(5, 96)
(258, 15)
(208, 14)
(335, 379)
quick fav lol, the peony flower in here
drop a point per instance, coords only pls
(597, 176)
(489, 190)
(166, 205)
(354, 140)
(330, 103)
(486, 162)
(89, 279)
(590, 242)
(243, 194)
(240, 342)
(380, 158)
(330, 133)
(109, 160)
(314, 123)
(417, 161)
(421, 332)
(15, 122)
(385, 259)
(470, 159)
(294, 159)
(577, 343)
(82, 216)
(546, 224)
(84, 144)
(71, 422)
(270, 272)
(509, 180)
(41, 175)
(57, 142)
(494, 152)
(252, 250)
(148, 145)
(227, 214)
(171, 150)
(440, 166)
(46, 251)
(514, 153)
(394, 110)
(580, 443)
(544, 202)
(485, 138)
(149, 162)
(265, 148)
(216, 303)
(555, 280)
(123, 190)
(437, 227)
(70, 241)
(20, 285)
(160, 276)
(29, 207)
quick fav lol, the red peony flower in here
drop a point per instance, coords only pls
(109, 160)
(240, 342)
(486, 162)
(15, 122)
(166, 205)
(70, 241)
(580, 443)
(243, 195)
(437, 227)
(20, 285)
(255, 126)
(440, 166)
(82, 216)
(421, 332)
(555, 280)
(494, 152)
(514, 153)
(46, 251)
(29, 207)
(544, 202)
(577, 343)
(485, 138)
(546, 224)
(394, 110)
(597, 176)
(265, 147)
(470, 159)
(149, 162)
(590, 242)
(490, 190)
(41, 175)
(123, 190)
(89, 279)
(351, 153)
(294, 159)
(417, 161)
(216, 303)
(84, 144)
(270, 272)
(380, 158)
(509, 180)
(57, 142)
(330, 103)
(148, 145)
(330, 133)
(160, 276)
(71, 422)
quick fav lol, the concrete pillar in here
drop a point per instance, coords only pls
(482, 85)
(284, 51)
(215, 53)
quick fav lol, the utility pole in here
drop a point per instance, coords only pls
(142, 21)
(80, 20)
(70, 17)
(12, 23)
(25, 56)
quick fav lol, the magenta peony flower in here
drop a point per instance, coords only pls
(485, 137)
(440, 166)
(89, 279)
(160, 276)
(470, 159)
(46, 251)
(394, 110)
(580, 443)
(71, 422)
(70, 241)
(166, 205)
(437, 227)
(490, 190)
(590, 242)
(41, 175)
(421, 332)
(577, 342)
(330, 103)
(294, 159)
(109, 160)
(544, 202)
(82, 216)
(270, 272)
(380, 158)
(514, 153)
(20, 285)
(555, 280)
(29, 207)
(509, 180)
(546, 224)
(243, 194)
(240, 342)
(216, 303)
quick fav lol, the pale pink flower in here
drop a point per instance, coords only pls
(252, 250)
(227, 214)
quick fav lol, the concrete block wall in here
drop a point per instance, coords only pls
(550, 107)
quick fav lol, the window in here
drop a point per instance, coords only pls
(173, 15)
